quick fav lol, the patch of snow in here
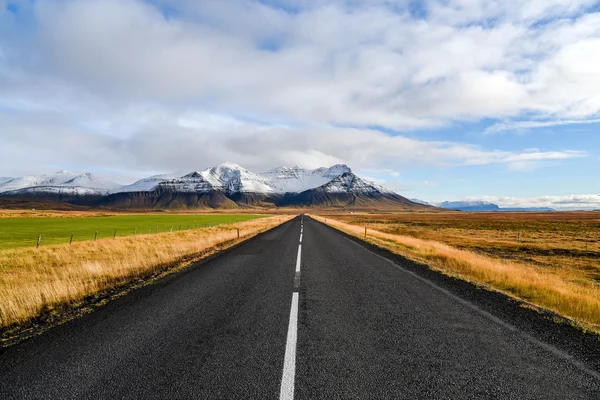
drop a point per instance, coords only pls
(147, 184)
(296, 179)
(418, 201)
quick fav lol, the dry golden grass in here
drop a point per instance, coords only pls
(34, 280)
(561, 290)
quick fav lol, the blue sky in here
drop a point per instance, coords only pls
(439, 100)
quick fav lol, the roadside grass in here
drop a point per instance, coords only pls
(19, 232)
(552, 283)
(33, 281)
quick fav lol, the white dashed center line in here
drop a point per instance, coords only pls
(289, 362)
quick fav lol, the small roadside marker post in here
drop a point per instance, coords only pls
(96, 236)
(365, 232)
(238, 232)
(38, 241)
(134, 231)
(71, 240)
(115, 234)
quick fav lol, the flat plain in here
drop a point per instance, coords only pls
(549, 259)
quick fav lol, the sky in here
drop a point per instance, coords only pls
(436, 99)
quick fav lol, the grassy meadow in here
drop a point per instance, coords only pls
(23, 231)
(547, 259)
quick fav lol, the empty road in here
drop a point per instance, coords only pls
(300, 312)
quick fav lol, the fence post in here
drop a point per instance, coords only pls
(71, 240)
(365, 232)
(238, 232)
(115, 234)
(38, 241)
(96, 236)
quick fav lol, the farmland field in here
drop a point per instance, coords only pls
(19, 232)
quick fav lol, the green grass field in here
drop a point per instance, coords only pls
(23, 232)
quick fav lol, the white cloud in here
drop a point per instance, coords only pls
(147, 91)
(525, 125)
(357, 65)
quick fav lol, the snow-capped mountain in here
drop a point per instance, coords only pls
(231, 178)
(296, 179)
(225, 186)
(59, 182)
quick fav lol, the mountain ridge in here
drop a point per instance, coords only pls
(227, 185)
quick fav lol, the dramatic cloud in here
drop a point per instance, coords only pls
(128, 85)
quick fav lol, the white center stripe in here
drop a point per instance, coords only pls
(298, 259)
(289, 363)
(300, 237)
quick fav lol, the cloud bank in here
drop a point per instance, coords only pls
(136, 86)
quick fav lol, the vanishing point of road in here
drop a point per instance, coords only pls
(299, 312)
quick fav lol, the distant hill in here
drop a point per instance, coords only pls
(469, 206)
(485, 206)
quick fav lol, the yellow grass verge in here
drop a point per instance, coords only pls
(34, 280)
(576, 300)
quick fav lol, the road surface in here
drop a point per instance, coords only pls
(301, 312)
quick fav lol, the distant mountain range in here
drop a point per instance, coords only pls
(225, 186)
(477, 206)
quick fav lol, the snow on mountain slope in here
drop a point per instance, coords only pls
(79, 184)
(58, 190)
(231, 178)
(23, 182)
(89, 180)
(228, 178)
(296, 179)
(422, 202)
(348, 182)
(147, 184)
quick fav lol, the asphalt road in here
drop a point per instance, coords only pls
(262, 321)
